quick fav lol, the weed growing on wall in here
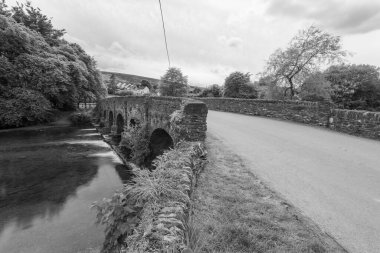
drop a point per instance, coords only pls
(136, 139)
(128, 216)
(120, 216)
(176, 130)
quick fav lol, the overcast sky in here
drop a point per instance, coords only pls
(208, 39)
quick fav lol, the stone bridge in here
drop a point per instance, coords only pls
(167, 119)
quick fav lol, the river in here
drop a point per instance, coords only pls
(49, 177)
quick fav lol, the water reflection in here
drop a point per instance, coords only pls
(48, 180)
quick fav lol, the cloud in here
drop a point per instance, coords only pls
(207, 39)
(234, 42)
(348, 17)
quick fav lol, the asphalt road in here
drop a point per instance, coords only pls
(334, 178)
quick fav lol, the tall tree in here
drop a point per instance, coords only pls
(112, 85)
(4, 9)
(173, 83)
(238, 85)
(35, 20)
(306, 52)
(51, 76)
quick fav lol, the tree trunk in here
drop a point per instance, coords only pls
(291, 88)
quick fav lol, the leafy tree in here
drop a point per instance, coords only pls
(20, 107)
(306, 52)
(4, 8)
(197, 90)
(238, 85)
(32, 18)
(62, 73)
(173, 83)
(267, 88)
(216, 90)
(145, 83)
(276, 92)
(315, 88)
(112, 85)
(213, 91)
(355, 86)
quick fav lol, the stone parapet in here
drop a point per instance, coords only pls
(361, 123)
(299, 111)
(155, 113)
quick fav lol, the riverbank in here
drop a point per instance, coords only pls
(49, 177)
(234, 211)
(61, 119)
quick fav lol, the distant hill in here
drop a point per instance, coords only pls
(130, 79)
(134, 79)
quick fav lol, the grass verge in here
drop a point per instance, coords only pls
(233, 211)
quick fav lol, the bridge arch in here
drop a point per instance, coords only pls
(159, 141)
(110, 119)
(119, 124)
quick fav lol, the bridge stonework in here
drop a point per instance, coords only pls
(155, 113)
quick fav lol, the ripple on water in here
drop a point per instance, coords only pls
(48, 181)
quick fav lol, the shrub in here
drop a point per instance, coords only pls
(214, 91)
(82, 118)
(124, 93)
(22, 107)
(136, 140)
(355, 86)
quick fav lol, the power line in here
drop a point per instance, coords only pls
(163, 26)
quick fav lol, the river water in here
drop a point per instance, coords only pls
(49, 178)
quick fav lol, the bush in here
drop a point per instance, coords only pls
(80, 118)
(124, 93)
(214, 91)
(136, 140)
(22, 107)
(355, 86)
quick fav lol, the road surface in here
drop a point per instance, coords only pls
(334, 178)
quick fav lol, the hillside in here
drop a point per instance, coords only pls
(132, 79)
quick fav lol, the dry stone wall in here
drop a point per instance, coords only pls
(361, 123)
(305, 112)
(168, 228)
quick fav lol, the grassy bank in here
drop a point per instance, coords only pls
(235, 212)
